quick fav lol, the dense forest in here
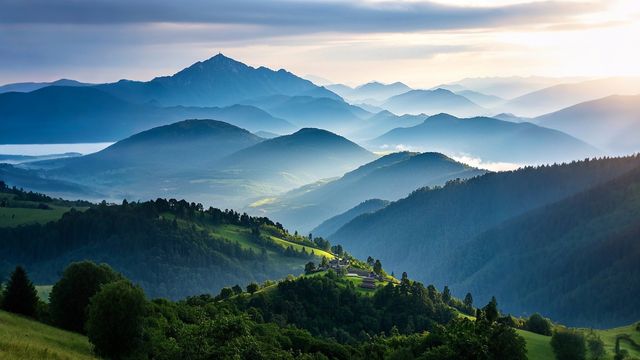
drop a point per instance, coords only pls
(575, 260)
(421, 233)
(171, 248)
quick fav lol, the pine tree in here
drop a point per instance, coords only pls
(20, 295)
(446, 295)
(491, 310)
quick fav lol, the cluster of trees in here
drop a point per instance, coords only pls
(159, 244)
(305, 318)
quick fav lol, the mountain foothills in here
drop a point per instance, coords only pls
(516, 232)
(390, 177)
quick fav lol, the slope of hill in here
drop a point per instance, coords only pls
(218, 81)
(331, 225)
(611, 123)
(19, 207)
(432, 102)
(390, 177)
(307, 155)
(429, 225)
(59, 114)
(171, 248)
(488, 139)
(580, 247)
(22, 338)
(557, 97)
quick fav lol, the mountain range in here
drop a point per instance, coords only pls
(560, 96)
(432, 102)
(307, 111)
(62, 114)
(211, 160)
(488, 139)
(373, 92)
(611, 123)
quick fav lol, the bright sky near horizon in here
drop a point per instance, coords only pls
(422, 43)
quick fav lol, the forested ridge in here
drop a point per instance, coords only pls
(421, 233)
(171, 248)
(575, 260)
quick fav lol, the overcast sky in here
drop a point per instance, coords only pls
(422, 43)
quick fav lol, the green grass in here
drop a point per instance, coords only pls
(10, 217)
(298, 247)
(609, 338)
(538, 346)
(24, 339)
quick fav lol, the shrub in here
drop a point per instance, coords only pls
(539, 325)
(568, 345)
(115, 319)
(70, 296)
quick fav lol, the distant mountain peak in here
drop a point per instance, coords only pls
(441, 116)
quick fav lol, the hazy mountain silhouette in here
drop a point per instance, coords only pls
(218, 81)
(32, 86)
(488, 139)
(374, 92)
(391, 177)
(292, 160)
(484, 100)
(432, 102)
(557, 97)
(611, 123)
(186, 146)
(86, 114)
(507, 87)
(306, 111)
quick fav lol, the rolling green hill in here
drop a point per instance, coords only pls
(25, 339)
(171, 248)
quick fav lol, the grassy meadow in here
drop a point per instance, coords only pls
(25, 339)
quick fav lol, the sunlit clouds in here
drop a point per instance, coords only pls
(418, 42)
